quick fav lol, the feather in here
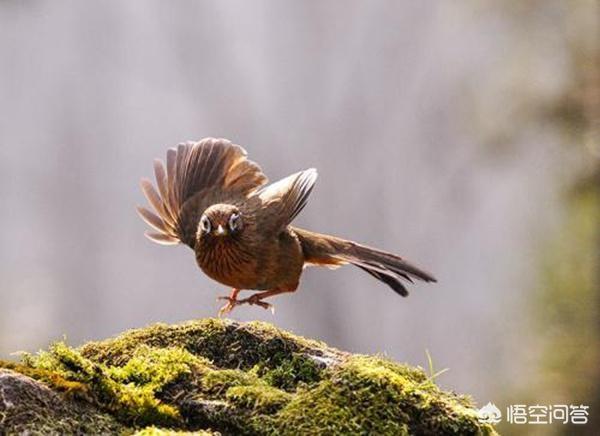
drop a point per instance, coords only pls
(161, 238)
(161, 180)
(153, 197)
(390, 280)
(386, 267)
(196, 174)
(286, 198)
(152, 220)
(171, 160)
(244, 176)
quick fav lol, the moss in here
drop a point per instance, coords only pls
(291, 372)
(218, 382)
(258, 398)
(155, 431)
(244, 392)
(226, 343)
(222, 376)
(51, 378)
(158, 367)
(374, 396)
(132, 399)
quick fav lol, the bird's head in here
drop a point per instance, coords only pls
(219, 221)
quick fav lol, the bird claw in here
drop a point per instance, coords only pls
(263, 304)
(228, 307)
(233, 302)
(255, 300)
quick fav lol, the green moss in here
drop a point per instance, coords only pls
(221, 376)
(291, 372)
(227, 344)
(258, 398)
(244, 392)
(158, 367)
(374, 396)
(51, 378)
(155, 431)
(131, 398)
(218, 382)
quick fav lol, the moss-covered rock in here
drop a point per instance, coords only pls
(222, 377)
(31, 407)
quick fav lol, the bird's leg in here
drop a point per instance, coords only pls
(232, 301)
(258, 297)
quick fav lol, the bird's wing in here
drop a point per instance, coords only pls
(197, 175)
(282, 201)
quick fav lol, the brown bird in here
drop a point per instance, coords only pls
(216, 201)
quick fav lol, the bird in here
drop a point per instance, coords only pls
(215, 200)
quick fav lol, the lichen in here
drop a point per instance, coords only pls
(219, 376)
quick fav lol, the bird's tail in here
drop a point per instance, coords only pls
(331, 251)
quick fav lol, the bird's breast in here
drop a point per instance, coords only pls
(229, 263)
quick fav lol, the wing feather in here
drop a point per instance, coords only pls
(161, 178)
(196, 175)
(161, 238)
(286, 198)
(152, 196)
(171, 162)
(152, 220)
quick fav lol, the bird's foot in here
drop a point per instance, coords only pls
(228, 307)
(255, 299)
(232, 301)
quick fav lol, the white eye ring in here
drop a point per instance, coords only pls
(205, 225)
(234, 221)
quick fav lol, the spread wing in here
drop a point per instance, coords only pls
(197, 175)
(282, 201)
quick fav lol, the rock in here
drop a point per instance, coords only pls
(29, 406)
(222, 377)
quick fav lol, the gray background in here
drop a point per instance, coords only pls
(413, 112)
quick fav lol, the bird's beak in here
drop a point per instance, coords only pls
(221, 231)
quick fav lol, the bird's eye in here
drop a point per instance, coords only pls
(234, 222)
(205, 225)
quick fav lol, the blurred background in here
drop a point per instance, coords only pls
(462, 135)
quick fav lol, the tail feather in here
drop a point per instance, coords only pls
(388, 279)
(390, 269)
(391, 262)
